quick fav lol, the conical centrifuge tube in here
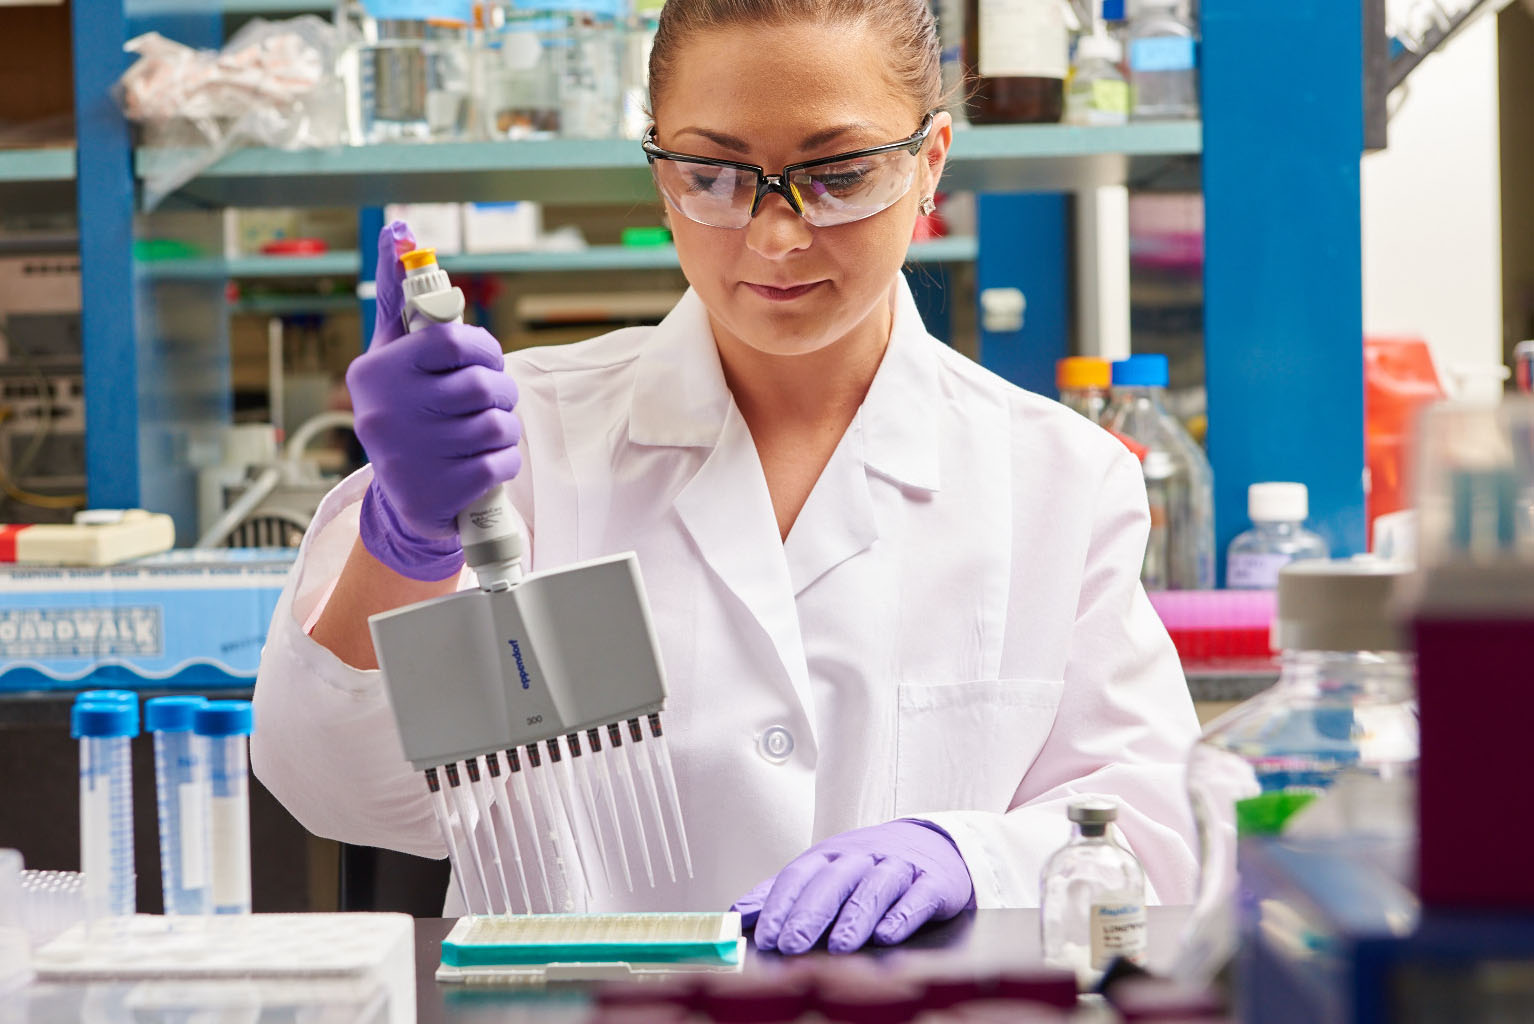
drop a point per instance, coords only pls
(609, 797)
(566, 795)
(480, 790)
(501, 818)
(576, 778)
(662, 754)
(525, 803)
(625, 768)
(439, 811)
(461, 801)
(553, 809)
(643, 760)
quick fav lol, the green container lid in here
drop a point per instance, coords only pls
(1267, 814)
(646, 237)
(148, 250)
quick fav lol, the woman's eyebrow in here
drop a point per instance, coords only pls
(820, 138)
(729, 142)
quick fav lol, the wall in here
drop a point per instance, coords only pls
(1431, 210)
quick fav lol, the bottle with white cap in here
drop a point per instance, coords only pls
(1097, 93)
(1092, 896)
(1277, 537)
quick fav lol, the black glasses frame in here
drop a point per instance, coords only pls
(766, 183)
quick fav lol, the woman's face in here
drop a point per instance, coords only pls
(778, 96)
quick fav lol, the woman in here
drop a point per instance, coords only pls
(897, 598)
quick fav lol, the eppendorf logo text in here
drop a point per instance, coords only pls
(81, 632)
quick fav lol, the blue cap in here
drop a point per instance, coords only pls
(1147, 371)
(223, 718)
(106, 697)
(1113, 10)
(103, 718)
(171, 714)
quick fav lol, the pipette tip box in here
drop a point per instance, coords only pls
(570, 947)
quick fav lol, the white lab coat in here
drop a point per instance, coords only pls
(954, 628)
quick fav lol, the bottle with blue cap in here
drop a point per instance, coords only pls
(105, 729)
(181, 790)
(1180, 551)
(223, 729)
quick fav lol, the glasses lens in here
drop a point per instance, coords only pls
(850, 190)
(719, 197)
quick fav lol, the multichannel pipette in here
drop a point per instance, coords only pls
(510, 667)
(662, 754)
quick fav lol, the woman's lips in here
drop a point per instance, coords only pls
(774, 294)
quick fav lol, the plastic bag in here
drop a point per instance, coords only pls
(273, 84)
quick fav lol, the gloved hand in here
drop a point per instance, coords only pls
(883, 882)
(434, 412)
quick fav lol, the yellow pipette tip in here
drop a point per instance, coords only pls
(418, 258)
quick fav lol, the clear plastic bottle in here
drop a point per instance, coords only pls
(407, 75)
(1092, 896)
(1163, 62)
(1277, 537)
(591, 84)
(1097, 92)
(520, 60)
(1185, 481)
(638, 39)
(1344, 704)
(1084, 383)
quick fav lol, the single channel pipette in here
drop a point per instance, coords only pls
(500, 809)
(626, 770)
(465, 816)
(636, 735)
(480, 789)
(557, 817)
(563, 778)
(662, 754)
(525, 803)
(449, 836)
(583, 779)
(609, 797)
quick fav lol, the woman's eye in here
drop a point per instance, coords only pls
(842, 181)
(701, 182)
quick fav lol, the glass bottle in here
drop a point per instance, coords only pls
(406, 74)
(591, 88)
(1017, 53)
(520, 60)
(1097, 93)
(1092, 896)
(1344, 705)
(1277, 537)
(1138, 411)
(1163, 62)
(1084, 382)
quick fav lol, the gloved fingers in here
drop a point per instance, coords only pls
(466, 391)
(786, 887)
(750, 905)
(438, 348)
(394, 239)
(820, 902)
(921, 902)
(869, 902)
(480, 433)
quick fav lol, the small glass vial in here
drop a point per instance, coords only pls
(1097, 93)
(1092, 897)
(1163, 62)
(1277, 537)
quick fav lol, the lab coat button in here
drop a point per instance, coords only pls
(776, 744)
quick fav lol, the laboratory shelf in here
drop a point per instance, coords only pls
(1012, 157)
(54, 163)
(330, 264)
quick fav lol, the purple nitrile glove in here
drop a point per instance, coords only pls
(881, 882)
(434, 412)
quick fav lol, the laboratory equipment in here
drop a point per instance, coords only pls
(105, 731)
(511, 667)
(222, 729)
(506, 828)
(520, 59)
(1163, 62)
(15, 961)
(661, 752)
(1277, 537)
(181, 795)
(452, 835)
(591, 87)
(1017, 54)
(1343, 705)
(95, 537)
(1084, 382)
(1097, 93)
(494, 868)
(1177, 476)
(52, 903)
(1092, 896)
(407, 72)
(644, 18)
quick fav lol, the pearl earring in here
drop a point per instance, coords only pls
(927, 206)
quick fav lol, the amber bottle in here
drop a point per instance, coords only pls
(1016, 55)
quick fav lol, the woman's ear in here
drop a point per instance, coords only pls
(938, 141)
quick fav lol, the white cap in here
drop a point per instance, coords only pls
(1277, 503)
(1099, 46)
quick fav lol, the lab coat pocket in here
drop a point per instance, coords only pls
(966, 746)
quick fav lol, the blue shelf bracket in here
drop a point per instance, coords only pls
(1283, 280)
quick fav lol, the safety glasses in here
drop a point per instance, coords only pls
(832, 190)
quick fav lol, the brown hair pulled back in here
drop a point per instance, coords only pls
(906, 27)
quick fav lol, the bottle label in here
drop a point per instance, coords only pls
(229, 823)
(1118, 930)
(1251, 570)
(193, 798)
(1163, 53)
(1023, 39)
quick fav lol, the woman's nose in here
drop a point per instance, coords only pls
(777, 230)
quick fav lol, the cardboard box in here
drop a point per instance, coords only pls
(182, 619)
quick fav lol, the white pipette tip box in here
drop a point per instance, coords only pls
(288, 959)
(590, 947)
(96, 537)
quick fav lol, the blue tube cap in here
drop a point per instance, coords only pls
(223, 718)
(90, 719)
(1144, 371)
(171, 714)
(106, 697)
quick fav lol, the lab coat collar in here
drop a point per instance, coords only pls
(681, 399)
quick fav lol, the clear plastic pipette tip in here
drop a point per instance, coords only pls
(554, 815)
(626, 770)
(480, 789)
(662, 754)
(525, 804)
(577, 768)
(461, 801)
(566, 795)
(502, 820)
(636, 735)
(610, 799)
(439, 811)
